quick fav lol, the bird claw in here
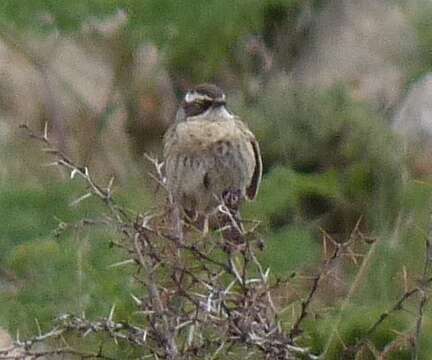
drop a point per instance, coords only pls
(232, 198)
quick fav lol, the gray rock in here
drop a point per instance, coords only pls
(362, 44)
(413, 123)
(413, 119)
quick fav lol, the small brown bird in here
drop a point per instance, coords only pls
(211, 157)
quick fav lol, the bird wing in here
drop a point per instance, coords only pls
(252, 189)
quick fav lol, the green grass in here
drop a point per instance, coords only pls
(329, 160)
(291, 249)
(72, 274)
(56, 275)
(209, 30)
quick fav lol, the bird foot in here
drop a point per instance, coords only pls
(231, 198)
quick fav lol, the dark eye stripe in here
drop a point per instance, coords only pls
(196, 107)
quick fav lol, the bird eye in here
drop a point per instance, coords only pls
(203, 103)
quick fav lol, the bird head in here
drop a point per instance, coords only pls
(201, 99)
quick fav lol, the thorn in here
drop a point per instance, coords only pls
(138, 301)
(266, 274)
(38, 327)
(182, 325)
(64, 340)
(111, 314)
(206, 226)
(110, 184)
(45, 136)
(50, 150)
(145, 221)
(73, 173)
(121, 263)
(191, 335)
(77, 201)
(236, 273)
(228, 289)
(405, 278)
(54, 163)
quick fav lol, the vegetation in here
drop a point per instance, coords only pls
(334, 174)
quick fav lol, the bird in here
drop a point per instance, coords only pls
(210, 156)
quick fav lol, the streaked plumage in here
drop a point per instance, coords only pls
(210, 153)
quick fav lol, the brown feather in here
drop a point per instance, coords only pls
(252, 190)
(203, 159)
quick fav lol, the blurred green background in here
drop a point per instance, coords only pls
(319, 82)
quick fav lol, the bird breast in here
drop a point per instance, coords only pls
(206, 158)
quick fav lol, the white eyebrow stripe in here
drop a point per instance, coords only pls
(192, 96)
